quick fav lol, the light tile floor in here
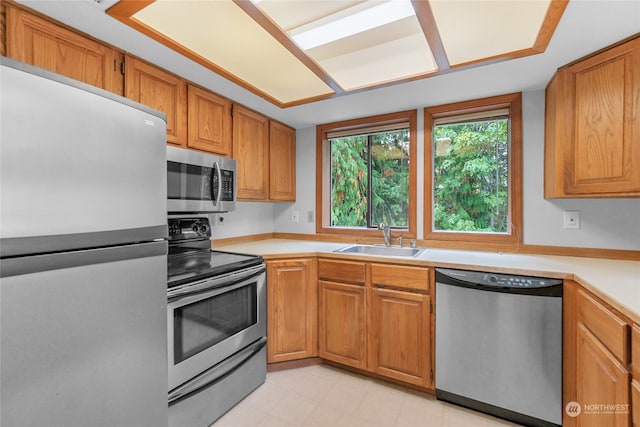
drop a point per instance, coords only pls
(322, 396)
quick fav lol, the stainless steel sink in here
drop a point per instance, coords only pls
(382, 250)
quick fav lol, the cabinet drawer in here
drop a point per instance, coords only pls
(341, 271)
(400, 276)
(605, 325)
(635, 353)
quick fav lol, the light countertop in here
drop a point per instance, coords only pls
(616, 281)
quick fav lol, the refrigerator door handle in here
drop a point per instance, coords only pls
(55, 261)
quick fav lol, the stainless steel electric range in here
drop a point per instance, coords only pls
(217, 325)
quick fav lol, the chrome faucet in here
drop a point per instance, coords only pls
(386, 233)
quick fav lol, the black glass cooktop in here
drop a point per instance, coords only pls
(195, 265)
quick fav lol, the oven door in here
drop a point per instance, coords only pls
(212, 319)
(199, 182)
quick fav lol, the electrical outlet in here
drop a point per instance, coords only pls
(571, 220)
(309, 216)
(295, 216)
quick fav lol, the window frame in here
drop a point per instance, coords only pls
(511, 101)
(323, 173)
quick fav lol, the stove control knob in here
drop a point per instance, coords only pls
(203, 228)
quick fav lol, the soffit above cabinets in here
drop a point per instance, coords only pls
(292, 52)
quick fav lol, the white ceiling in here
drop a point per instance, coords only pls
(586, 26)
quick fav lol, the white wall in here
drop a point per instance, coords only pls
(604, 223)
(249, 218)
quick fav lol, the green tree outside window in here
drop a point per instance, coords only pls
(370, 179)
(471, 176)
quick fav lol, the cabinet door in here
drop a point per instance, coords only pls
(635, 372)
(342, 323)
(251, 150)
(400, 339)
(635, 402)
(209, 122)
(601, 380)
(162, 91)
(46, 45)
(282, 162)
(635, 352)
(597, 110)
(291, 310)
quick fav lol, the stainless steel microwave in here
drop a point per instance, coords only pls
(199, 182)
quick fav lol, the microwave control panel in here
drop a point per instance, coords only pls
(227, 185)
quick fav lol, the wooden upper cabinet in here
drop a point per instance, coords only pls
(39, 42)
(593, 126)
(266, 155)
(251, 150)
(159, 90)
(209, 122)
(282, 162)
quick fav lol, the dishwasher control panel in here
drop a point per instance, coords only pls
(519, 281)
(499, 280)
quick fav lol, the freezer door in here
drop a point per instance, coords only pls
(75, 160)
(84, 338)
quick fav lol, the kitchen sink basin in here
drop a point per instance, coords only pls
(382, 250)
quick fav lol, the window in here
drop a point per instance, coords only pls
(473, 170)
(366, 175)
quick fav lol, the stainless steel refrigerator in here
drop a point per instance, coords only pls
(82, 255)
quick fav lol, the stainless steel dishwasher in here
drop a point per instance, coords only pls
(499, 344)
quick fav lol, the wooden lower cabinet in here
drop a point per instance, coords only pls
(400, 336)
(635, 373)
(342, 323)
(635, 402)
(291, 309)
(602, 381)
(377, 317)
(597, 362)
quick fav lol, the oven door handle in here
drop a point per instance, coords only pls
(217, 373)
(225, 281)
